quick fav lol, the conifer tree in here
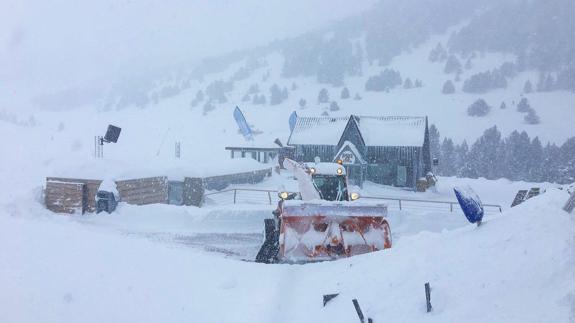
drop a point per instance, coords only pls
(323, 96)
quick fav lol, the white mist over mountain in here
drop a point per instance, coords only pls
(52, 45)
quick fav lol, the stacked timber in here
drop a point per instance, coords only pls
(143, 191)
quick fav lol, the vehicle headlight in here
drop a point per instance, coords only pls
(312, 170)
(283, 195)
(339, 171)
(354, 196)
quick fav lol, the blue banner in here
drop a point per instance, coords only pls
(470, 204)
(243, 124)
(292, 120)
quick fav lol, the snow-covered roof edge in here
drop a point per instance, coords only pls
(372, 130)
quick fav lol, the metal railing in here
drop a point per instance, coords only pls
(261, 196)
(402, 201)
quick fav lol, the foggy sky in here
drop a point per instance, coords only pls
(51, 44)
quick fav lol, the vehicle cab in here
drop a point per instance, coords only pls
(330, 181)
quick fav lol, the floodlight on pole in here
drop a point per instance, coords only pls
(112, 135)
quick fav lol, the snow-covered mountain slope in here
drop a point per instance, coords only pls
(448, 112)
(59, 140)
(516, 267)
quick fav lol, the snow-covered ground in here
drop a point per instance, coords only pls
(163, 263)
(184, 264)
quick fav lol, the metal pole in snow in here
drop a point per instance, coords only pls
(358, 310)
(428, 297)
(178, 149)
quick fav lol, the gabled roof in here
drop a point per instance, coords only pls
(317, 130)
(393, 131)
(389, 131)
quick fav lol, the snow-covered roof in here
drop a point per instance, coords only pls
(392, 131)
(384, 131)
(317, 130)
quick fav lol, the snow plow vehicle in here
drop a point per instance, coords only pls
(324, 221)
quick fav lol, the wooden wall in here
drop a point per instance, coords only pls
(71, 195)
(143, 191)
(65, 197)
(92, 186)
(193, 191)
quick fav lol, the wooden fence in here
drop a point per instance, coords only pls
(65, 197)
(143, 191)
(92, 186)
(73, 195)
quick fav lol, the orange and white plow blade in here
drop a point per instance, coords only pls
(321, 237)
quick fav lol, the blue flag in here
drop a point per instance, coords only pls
(292, 120)
(470, 204)
(243, 124)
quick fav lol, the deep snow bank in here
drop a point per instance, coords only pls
(517, 267)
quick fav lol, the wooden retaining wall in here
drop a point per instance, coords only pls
(92, 186)
(144, 191)
(193, 191)
(65, 197)
(72, 195)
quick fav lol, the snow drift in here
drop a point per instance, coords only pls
(517, 267)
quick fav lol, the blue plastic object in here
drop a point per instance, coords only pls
(292, 120)
(470, 204)
(243, 124)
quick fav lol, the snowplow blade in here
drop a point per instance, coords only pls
(315, 232)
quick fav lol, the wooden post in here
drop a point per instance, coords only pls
(450, 207)
(570, 205)
(358, 310)
(428, 297)
(235, 193)
(399, 205)
(270, 197)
